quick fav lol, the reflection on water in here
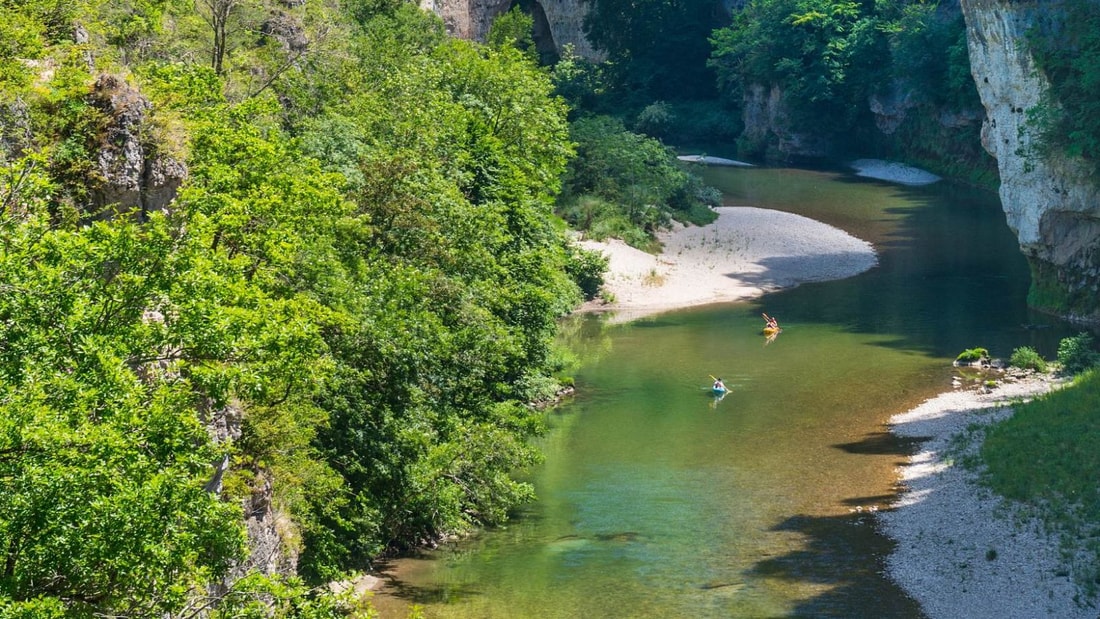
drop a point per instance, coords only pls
(657, 499)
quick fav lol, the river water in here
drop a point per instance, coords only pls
(658, 500)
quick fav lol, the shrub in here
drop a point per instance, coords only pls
(587, 269)
(655, 120)
(971, 355)
(1028, 358)
(1076, 354)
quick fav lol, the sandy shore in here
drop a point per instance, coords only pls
(743, 254)
(719, 161)
(961, 550)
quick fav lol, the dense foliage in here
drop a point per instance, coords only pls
(343, 314)
(626, 185)
(825, 54)
(656, 49)
(830, 57)
(1078, 353)
(1068, 53)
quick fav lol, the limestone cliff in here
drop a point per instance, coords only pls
(1050, 201)
(557, 22)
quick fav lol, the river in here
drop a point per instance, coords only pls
(658, 500)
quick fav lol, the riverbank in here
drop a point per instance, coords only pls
(961, 550)
(743, 254)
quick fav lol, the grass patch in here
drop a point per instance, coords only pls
(654, 279)
(1047, 456)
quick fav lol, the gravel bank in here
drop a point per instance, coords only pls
(893, 172)
(962, 551)
(719, 161)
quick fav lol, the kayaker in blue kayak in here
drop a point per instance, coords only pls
(719, 385)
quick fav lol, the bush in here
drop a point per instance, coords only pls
(1027, 358)
(971, 355)
(655, 120)
(1076, 354)
(587, 269)
(627, 185)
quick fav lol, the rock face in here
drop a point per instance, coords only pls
(273, 538)
(767, 127)
(132, 176)
(1050, 201)
(557, 22)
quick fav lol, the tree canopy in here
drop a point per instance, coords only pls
(343, 316)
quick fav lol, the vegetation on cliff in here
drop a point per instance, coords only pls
(831, 59)
(1066, 47)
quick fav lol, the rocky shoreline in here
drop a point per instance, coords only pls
(963, 551)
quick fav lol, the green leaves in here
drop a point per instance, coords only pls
(352, 297)
(102, 470)
(1069, 56)
(657, 48)
(826, 55)
(624, 184)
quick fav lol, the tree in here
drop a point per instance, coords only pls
(824, 54)
(657, 48)
(217, 14)
(102, 458)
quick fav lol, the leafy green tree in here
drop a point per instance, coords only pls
(514, 29)
(22, 38)
(104, 460)
(456, 274)
(363, 263)
(637, 174)
(581, 83)
(928, 51)
(657, 49)
(826, 55)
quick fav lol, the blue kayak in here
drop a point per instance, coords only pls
(718, 390)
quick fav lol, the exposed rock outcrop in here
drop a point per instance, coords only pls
(891, 108)
(558, 23)
(1050, 200)
(287, 30)
(273, 538)
(132, 175)
(768, 127)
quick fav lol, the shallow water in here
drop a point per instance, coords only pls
(658, 500)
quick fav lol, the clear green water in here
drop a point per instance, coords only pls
(657, 500)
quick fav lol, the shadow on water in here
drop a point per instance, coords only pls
(883, 444)
(828, 556)
(828, 552)
(950, 273)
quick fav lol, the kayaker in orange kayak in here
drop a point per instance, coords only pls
(770, 323)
